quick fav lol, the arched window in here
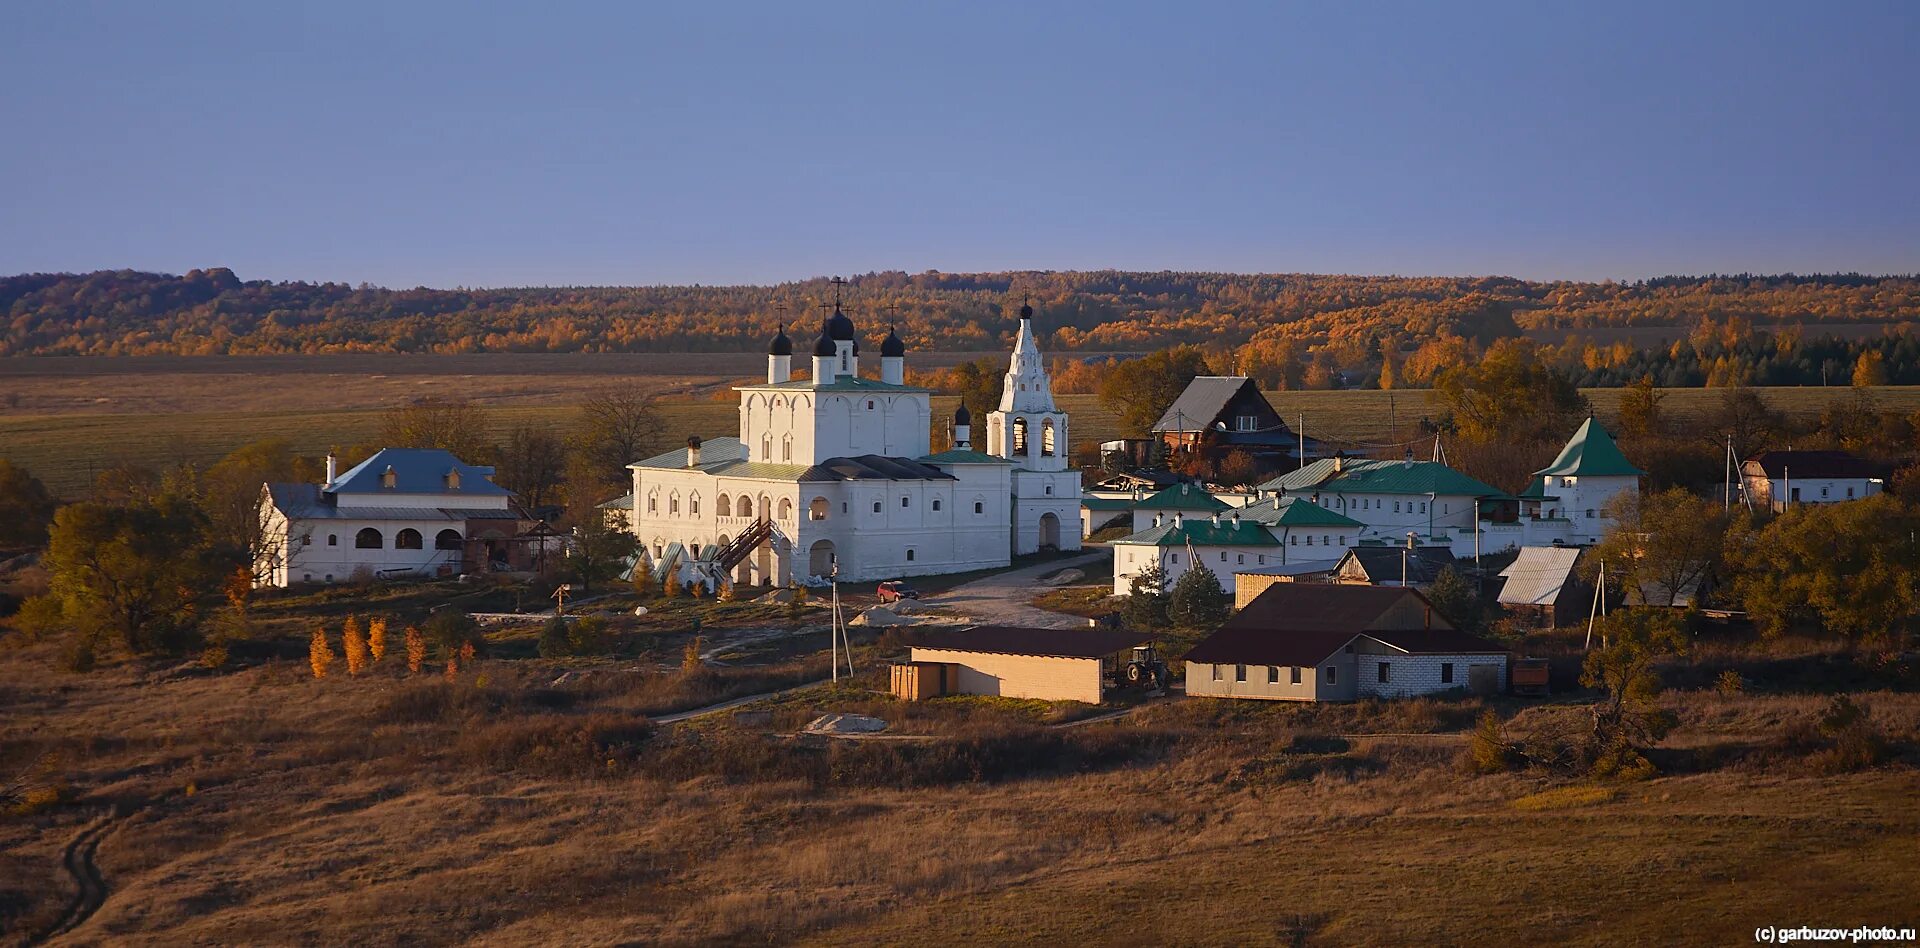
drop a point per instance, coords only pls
(786, 508)
(693, 505)
(766, 447)
(447, 540)
(936, 503)
(653, 502)
(407, 539)
(673, 504)
(766, 507)
(723, 507)
(1046, 438)
(786, 449)
(817, 509)
(333, 539)
(368, 539)
(1019, 436)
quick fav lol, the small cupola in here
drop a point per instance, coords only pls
(824, 345)
(390, 478)
(961, 416)
(453, 478)
(891, 347)
(782, 346)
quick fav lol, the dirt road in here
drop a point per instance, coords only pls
(1002, 599)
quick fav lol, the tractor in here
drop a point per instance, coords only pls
(1145, 670)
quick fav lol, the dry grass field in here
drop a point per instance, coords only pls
(259, 806)
(67, 418)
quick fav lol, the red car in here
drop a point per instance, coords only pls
(896, 590)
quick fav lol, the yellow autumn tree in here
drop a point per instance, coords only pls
(1869, 370)
(416, 650)
(319, 653)
(354, 643)
(377, 639)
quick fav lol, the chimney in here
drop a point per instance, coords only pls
(1236, 518)
(1339, 463)
(1408, 460)
(1179, 519)
(333, 470)
(1216, 518)
(693, 451)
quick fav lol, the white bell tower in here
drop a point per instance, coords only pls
(1027, 428)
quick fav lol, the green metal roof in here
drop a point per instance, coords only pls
(1591, 453)
(1181, 497)
(1365, 476)
(1106, 503)
(960, 456)
(1203, 533)
(1296, 512)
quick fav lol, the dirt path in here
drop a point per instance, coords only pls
(90, 886)
(678, 716)
(1001, 599)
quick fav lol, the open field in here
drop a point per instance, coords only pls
(71, 417)
(257, 805)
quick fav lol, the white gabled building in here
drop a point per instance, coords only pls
(402, 512)
(1776, 480)
(835, 469)
(1566, 502)
(1264, 537)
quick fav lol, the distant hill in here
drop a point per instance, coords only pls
(209, 312)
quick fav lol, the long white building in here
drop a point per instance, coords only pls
(839, 468)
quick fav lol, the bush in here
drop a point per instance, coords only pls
(1730, 683)
(451, 631)
(1854, 741)
(1489, 751)
(1198, 604)
(554, 641)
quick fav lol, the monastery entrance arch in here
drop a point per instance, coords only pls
(820, 558)
(1049, 531)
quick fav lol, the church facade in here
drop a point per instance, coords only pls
(836, 472)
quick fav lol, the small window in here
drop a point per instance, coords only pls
(307, 540)
(1173, 558)
(1348, 649)
(1396, 506)
(1239, 673)
(306, 577)
(843, 506)
(693, 505)
(1223, 556)
(1295, 670)
(909, 554)
(1446, 673)
(1263, 559)
(1343, 541)
(1273, 674)
(979, 507)
(906, 502)
(653, 505)
(1386, 671)
(1333, 675)
(1293, 541)
(1049, 490)
(1240, 558)
(869, 404)
(673, 505)
(876, 506)
(1423, 506)
(936, 504)
(1589, 513)
(333, 539)
(1309, 539)
(1217, 675)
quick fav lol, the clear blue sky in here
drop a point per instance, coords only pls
(549, 143)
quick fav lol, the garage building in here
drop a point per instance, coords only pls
(1017, 662)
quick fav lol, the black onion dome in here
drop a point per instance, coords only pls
(782, 346)
(1026, 311)
(824, 346)
(961, 416)
(838, 325)
(892, 346)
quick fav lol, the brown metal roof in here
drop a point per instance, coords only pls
(1806, 464)
(1303, 623)
(1016, 640)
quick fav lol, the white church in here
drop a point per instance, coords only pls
(835, 471)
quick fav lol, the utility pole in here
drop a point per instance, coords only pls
(1599, 593)
(1303, 439)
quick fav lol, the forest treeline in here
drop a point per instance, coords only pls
(1294, 330)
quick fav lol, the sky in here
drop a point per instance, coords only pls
(553, 143)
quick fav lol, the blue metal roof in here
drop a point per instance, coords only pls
(417, 471)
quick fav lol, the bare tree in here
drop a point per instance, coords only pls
(532, 463)
(618, 427)
(449, 424)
